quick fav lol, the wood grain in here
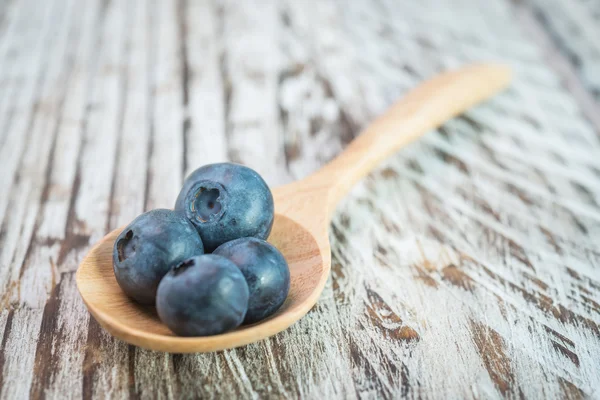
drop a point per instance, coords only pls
(467, 266)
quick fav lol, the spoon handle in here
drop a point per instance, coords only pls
(424, 108)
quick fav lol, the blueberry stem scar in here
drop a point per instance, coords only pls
(206, 203)
(123, 243)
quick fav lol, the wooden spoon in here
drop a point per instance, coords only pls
(303, 211)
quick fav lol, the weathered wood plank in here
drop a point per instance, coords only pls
(13, 36)
(561, 63)
(250, 65)
(22, 106)
(32, 286)
(114, 379)
(166, 158)
(575, 28)
(309, 108)
(206, 91)
(98, 109)
(466, 266)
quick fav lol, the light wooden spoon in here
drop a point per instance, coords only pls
(303, 211)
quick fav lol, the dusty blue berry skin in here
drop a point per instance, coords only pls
(226, 201)
(266, 273)
(147, 249)
(202, 296)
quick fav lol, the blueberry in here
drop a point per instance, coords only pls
(148, 247)
(226, 201)
(204, 295)
(266, 273)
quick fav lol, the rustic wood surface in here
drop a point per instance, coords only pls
(467, 266)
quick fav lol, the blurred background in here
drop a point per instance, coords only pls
(464, 267)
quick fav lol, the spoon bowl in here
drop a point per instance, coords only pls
(140, 325)
(302, 214)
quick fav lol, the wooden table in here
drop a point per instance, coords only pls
(468, 266)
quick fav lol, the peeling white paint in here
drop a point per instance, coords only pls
(464, 267)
